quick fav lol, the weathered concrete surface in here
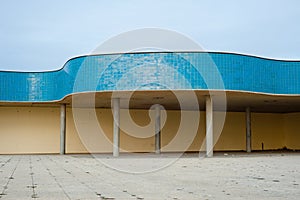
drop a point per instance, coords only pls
(229, 176)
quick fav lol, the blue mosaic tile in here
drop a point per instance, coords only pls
(153, 71)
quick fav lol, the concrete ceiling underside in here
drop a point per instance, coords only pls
(179, 99)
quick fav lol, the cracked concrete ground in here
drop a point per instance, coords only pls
(226, 176)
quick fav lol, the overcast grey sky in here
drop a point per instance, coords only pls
(38, 35)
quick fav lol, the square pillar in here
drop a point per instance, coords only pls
(248, 129)
(209, 127)
(116, 125)
(63, 129)
(157, 129)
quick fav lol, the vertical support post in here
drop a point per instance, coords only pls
(116, 134)
(209, 127)
(248, 129)
(157, 129)
(62, 129)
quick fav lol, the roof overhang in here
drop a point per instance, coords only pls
(235, 101)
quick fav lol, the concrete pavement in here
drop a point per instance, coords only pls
(229, 176)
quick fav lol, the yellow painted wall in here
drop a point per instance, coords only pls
(172, 139)
(36, 130)
(91, 137)
(25, 130)
(233, 135)
(138, 139)
(73, 141)
(180, 134)
(292, 130)
(91, 140)
(96, 132)
(268, 129)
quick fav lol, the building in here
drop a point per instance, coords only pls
(256, 101)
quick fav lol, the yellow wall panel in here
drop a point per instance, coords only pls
(37, 130)
(292, 130)
(267, 129)
(233, 135)
(29, 130)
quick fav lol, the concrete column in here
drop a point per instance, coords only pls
(248, 129)
(63, 129)
(116, 136)
(209, 127)
(157, 129)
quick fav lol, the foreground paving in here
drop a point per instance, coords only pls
(229, 176)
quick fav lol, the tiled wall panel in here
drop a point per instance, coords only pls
(153, 71)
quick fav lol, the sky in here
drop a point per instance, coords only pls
(41, 35)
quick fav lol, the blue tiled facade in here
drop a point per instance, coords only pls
(153, 71)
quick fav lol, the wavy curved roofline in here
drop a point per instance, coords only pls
(151, 52)
(233, 72)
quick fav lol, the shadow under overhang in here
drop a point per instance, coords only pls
(234, 101)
